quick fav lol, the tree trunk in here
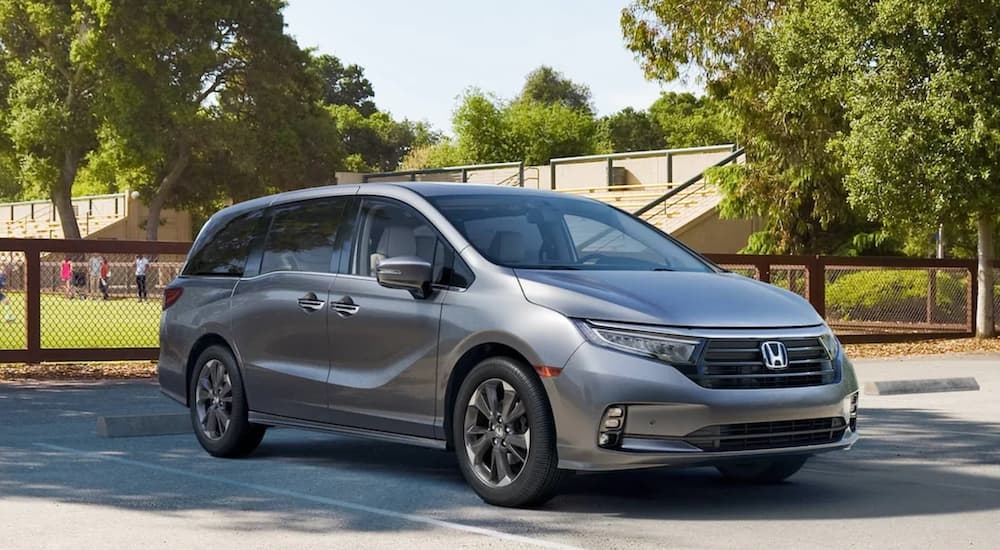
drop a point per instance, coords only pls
(62, 195)
(984, 308)
(166, 186)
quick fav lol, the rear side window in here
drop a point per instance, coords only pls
(301, 237)
(225, 254)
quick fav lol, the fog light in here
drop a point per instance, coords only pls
(851, 411)
(612, 423)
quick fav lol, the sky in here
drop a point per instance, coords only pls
(421, 55)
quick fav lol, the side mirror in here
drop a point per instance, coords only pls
(406, 273)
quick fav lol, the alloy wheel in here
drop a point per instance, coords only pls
(214, 399)
(497, 434)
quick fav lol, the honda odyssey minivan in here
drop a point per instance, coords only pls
(530, 332)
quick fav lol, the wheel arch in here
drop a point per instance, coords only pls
(464, 366)
(204, 342)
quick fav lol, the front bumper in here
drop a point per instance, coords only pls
(664, 407)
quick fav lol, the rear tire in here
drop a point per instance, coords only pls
(219, 412)
(504, 435)
(763, 472)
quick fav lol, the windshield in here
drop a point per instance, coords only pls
(553, 232)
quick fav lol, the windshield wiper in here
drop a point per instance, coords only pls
(664, 269)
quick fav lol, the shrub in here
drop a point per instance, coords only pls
(895, 295)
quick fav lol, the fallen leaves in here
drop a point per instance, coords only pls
(77, 371)
(923, 347)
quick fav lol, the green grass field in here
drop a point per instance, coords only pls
(116, 323)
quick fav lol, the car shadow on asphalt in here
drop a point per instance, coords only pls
(909, 462)
(905, 464)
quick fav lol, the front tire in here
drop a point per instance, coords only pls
(763, 472)
(219, 406)
(504, 435)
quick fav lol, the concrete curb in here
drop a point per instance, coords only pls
(929, 385)
(143, 425)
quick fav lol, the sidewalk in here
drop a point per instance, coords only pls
(984, 367)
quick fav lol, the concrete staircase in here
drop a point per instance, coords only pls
(686, 206)
(668, 206)
(36, 220)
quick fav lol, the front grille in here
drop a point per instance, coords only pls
(768, 435)
(738, 364)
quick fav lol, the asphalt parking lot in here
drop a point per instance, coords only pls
(926, 474)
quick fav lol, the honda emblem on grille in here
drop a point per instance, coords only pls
(775, 355)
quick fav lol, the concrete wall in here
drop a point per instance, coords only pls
(710, 234)
(640, 168)
(113, 216)
(175, 225)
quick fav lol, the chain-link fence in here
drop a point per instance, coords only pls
(750, 271)
(868, 299)
(110, 300)
(791, 277)
(83, 300)
(13, 305)
(886, 300)
(996, 299)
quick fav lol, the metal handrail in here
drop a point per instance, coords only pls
(516, 180)
(691, 181)
(644, 154)
(365, 178)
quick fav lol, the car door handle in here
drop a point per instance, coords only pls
(310, 302)
(345, 307)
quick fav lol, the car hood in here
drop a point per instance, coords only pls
(675, 298)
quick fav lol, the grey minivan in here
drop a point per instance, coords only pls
(531, 332)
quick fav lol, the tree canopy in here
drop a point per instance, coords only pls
(344, 85)
(548, 86)
(51, 91)
(189, 103)
(889, 105)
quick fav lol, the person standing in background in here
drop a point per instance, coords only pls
(141, 263)
(66, 275)
(105, 271)
(94, 278)
(8, 314)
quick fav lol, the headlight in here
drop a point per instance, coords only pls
(670, 349)
(831, 343)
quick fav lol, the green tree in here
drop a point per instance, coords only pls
(539, 132)
(549, 86)
(689, 121)
(785, 116)
(924, 145)
(207, 82)
(551, 118)
(377, 143)
(490, 130)
(439, 155)
(344, 85)
(631, 130)
(372, 139)
(49, 102)
(480, 129)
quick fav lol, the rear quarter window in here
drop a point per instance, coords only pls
(225, 253)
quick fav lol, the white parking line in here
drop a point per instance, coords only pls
(311, 498)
